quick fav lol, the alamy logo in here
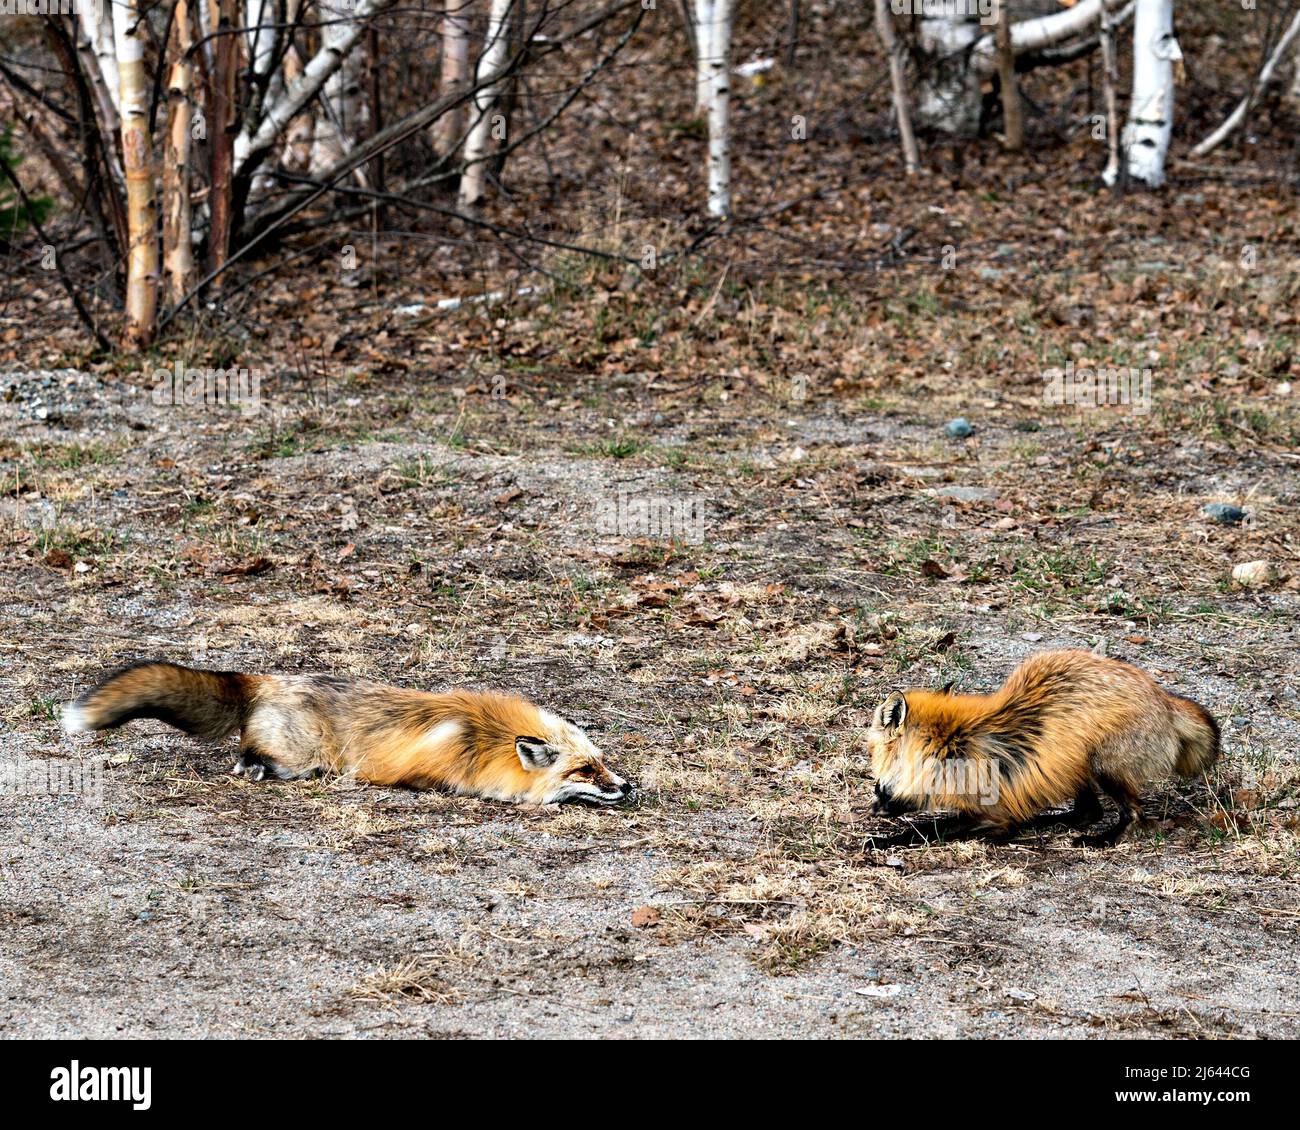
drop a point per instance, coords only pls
(62, 778)
(211, 388)
(944, 9)
(94, 8)
(1092, 388)
(961, 776)
(102, 1084)
(663, 516)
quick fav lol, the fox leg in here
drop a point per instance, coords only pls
(1085, 811)
(929, 830)
(1130, 809)
(287, 774)
(250, 766)
(1087, 808)
(255, 766)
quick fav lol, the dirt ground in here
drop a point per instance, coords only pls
(820, 551)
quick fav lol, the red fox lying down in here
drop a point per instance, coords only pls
(476, 743)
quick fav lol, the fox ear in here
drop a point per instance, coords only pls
(947, 687)
(891, 714)
(534, 753)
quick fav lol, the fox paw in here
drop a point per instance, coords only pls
(250, 767)
(1099, 839)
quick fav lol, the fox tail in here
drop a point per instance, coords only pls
(208, 705)
(1198, 737)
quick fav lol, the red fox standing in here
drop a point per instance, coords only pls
(480, 744)
(1063, 722)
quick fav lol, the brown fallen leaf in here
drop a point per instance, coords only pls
(933, 569)
(503, 500)
(59, 559)
(249, 568)
(644, 917)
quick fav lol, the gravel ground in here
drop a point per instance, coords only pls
(184, 902)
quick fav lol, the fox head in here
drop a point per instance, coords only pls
(564, 766)
(903, 750)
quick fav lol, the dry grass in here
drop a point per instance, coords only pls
(419, 979)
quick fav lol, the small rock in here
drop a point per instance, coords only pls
(1032, 637)
(1254, 574)
(1021, 995)
(884, 991)
(1224, 514)
(959, 428)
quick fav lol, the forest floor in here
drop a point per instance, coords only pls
(824, 541)
(436, 498)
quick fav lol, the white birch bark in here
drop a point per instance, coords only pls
(963, 52)
(702, 16)
(948, 96)
(454, 72)
(1151, 109)
(1045, 31)
(296, 155)
(495, 46)
(137, 152)
(208, 20)
(719, 109)
(97, 34)
(259, 22)
(298, 94)
(178, 250)
(339, 117)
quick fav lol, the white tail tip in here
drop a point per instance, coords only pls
(74, 720)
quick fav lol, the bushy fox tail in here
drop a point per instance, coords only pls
(1198, 737)
(206, 704)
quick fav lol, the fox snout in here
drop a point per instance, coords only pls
(888, 804)
(617, 788)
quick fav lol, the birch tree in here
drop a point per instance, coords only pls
(257, 138)
(1151, 109)
(137, 152)
(713, 77)
(340, 114)
(454, 71)
(97, 40)
(894, 52)
(1013, 126)
(702, 23)
(961, 53)
(178, 251)
(495, 46)
(948, 96)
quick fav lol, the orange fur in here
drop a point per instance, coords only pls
(480, 743)
(1062, 722)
